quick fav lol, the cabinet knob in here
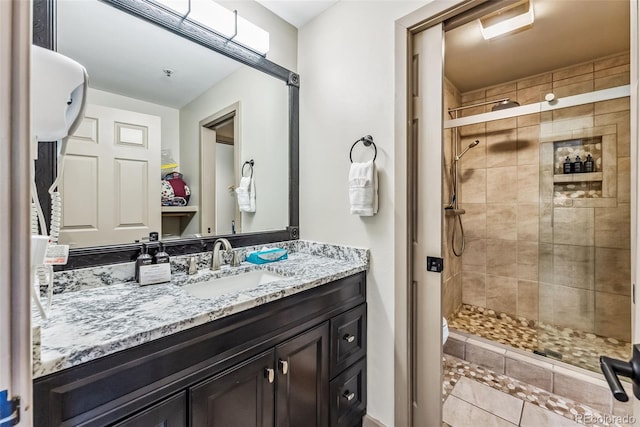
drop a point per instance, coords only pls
(349, 395)
(269, 374)
(284, 366)
(349, 338)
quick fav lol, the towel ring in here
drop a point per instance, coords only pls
(367, 140)
(250, 163)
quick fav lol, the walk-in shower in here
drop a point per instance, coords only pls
(546, 259)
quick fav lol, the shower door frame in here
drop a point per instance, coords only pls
(406, 27)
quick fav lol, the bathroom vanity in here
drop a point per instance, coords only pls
(291, 352)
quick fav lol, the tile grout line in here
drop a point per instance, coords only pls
(521, 413)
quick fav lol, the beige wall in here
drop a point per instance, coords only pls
(263, 136)
(584, 260)
(346, 62)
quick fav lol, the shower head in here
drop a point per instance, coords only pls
(473, 144)
(504, 104)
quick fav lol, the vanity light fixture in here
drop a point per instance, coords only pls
(517, 16)
(222, 21)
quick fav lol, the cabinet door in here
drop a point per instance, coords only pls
(239, 397)
(168, 413)
(303, 380)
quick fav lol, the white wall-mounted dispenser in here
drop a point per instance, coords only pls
(58, 93)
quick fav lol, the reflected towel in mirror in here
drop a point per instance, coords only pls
(246, 194)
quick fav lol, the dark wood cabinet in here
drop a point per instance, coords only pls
(168, 413)
(349, 396)
(242, 396)
(303, 380)
(218, 374)
(287, 386)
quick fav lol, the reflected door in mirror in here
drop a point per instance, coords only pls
(110, 188)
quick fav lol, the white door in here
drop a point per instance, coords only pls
(426, 152)
(111, 184)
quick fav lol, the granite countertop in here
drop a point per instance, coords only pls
(92, 321)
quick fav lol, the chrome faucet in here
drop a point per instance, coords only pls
(215, 254)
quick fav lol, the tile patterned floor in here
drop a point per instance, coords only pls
(476, 396)
(575, 347)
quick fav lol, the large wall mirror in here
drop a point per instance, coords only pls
(169, 103)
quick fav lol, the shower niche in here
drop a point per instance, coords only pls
(577, 184)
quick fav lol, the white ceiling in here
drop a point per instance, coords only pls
(126, 55)
(297, 12)
(565, 32)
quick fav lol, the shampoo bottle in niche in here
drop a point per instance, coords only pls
(589, 165)
(567, 166)
(143, 259)
(577, 165)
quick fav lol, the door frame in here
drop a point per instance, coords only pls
(405, 28)
(203, 129)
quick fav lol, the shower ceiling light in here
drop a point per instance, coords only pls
(514, 17)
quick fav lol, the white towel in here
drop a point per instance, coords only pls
(363, 188)
(246, 194)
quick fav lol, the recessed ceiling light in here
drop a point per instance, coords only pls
(517, 16)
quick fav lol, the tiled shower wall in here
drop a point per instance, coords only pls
(584, 259)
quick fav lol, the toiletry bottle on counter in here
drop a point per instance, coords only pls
(589, 165)
(161, 256)
(567, 166)
(577, 165)
(143, 259)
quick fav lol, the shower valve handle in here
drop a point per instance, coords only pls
(611, 368)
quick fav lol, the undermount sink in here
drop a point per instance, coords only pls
(222, 285)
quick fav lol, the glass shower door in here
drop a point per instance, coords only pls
(584, 284)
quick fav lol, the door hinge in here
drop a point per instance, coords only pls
(9, 410)
(633, 293)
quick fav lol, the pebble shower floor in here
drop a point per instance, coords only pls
(577, 348)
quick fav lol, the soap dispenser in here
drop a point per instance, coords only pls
(577, 165)
(143, 259)
(589, 165)
(567, 166)
(161, 257)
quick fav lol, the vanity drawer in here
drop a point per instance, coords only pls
(349, 396)
(348, 338)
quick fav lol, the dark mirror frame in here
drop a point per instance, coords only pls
(44, 35)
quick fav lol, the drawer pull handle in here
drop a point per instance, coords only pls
(269, 374)
(284, 366)
(349, 395)
(349, 338)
